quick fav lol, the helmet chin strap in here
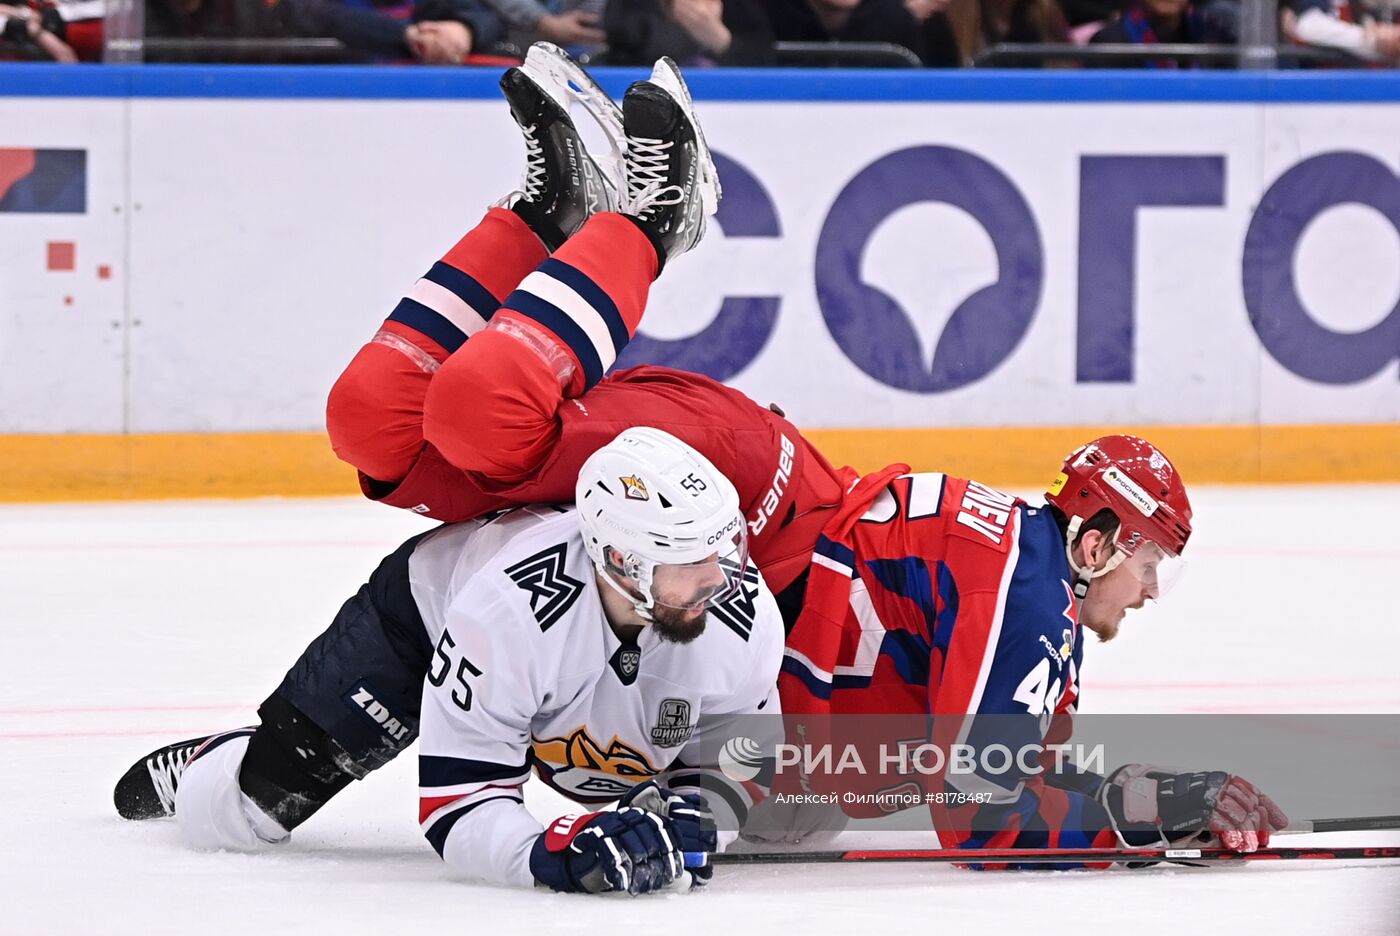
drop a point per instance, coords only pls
(642, 606)
(1084, 576)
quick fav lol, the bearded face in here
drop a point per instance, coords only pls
(678, 625)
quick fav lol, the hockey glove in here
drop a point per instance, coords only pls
(629, 850)
(690, 816)
(1151, 805)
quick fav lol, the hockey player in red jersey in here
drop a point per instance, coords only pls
(905, 593)
(485, 387)
(940, 596)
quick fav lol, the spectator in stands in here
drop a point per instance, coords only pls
(941, 48)
(34, 33)
(435, 32)
(1086, 17)
(845, 21)
(1366, 30)
(1152, 22)
(978, 24)
(577, 25)
(693, 32)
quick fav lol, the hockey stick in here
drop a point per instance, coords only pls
(1349, 824)
(1054, 855)
(1048, 856)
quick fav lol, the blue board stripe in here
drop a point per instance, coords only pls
(371, 83)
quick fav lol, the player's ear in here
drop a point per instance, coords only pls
(613, 559)
(1095, 548)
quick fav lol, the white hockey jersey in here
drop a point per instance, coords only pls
(528, 673)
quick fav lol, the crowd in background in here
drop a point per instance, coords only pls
(932, 33)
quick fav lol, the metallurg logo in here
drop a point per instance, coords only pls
(633, 488)
(578, 764)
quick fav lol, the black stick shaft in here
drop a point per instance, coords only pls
(1354, 824)
(1056, 855)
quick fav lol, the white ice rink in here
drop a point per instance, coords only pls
(123, 627)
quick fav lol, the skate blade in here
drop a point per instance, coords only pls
(565, 81)
(667, 75)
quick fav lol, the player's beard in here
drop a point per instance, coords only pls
(1106, 630)
(1109, 630)
(677, 625)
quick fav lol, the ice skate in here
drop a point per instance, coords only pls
(564, 182)
(672, 185)
(147, 790)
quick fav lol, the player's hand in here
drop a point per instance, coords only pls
(787, 823)
(574, 27)
(1244, 817)
(631, 851)
(1152, 803)
(689, 813)
(691, 817)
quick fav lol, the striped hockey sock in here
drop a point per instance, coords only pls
(591, 294)
(458, 295)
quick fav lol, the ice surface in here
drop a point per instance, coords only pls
(123, 627)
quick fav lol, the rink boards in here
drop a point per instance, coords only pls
(965, 272)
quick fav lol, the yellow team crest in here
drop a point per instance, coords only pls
(633, 488)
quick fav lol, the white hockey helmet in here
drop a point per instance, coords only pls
(660, 504)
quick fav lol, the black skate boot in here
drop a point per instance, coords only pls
(147, 790)
(564, 183)
(672, 184)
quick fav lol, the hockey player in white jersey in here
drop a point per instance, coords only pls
(613, 647)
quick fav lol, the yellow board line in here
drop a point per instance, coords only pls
(173, 465)
(1030, 456)
(301, 464)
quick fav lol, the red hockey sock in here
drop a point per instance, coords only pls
(455, 299)
(375, 412)
(498, 253)
(590, 295)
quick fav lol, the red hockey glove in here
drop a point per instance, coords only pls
(1152, 805)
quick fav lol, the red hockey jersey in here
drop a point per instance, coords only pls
(946, 600)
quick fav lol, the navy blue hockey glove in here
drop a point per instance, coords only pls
(692, 819)
(688, 812)
(630, 850)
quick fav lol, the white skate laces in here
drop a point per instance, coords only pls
(535, 170)
(648, 162)
(532, 188)
(566, 84)
(165, 769)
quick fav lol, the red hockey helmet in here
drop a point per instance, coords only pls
(1137, 482)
